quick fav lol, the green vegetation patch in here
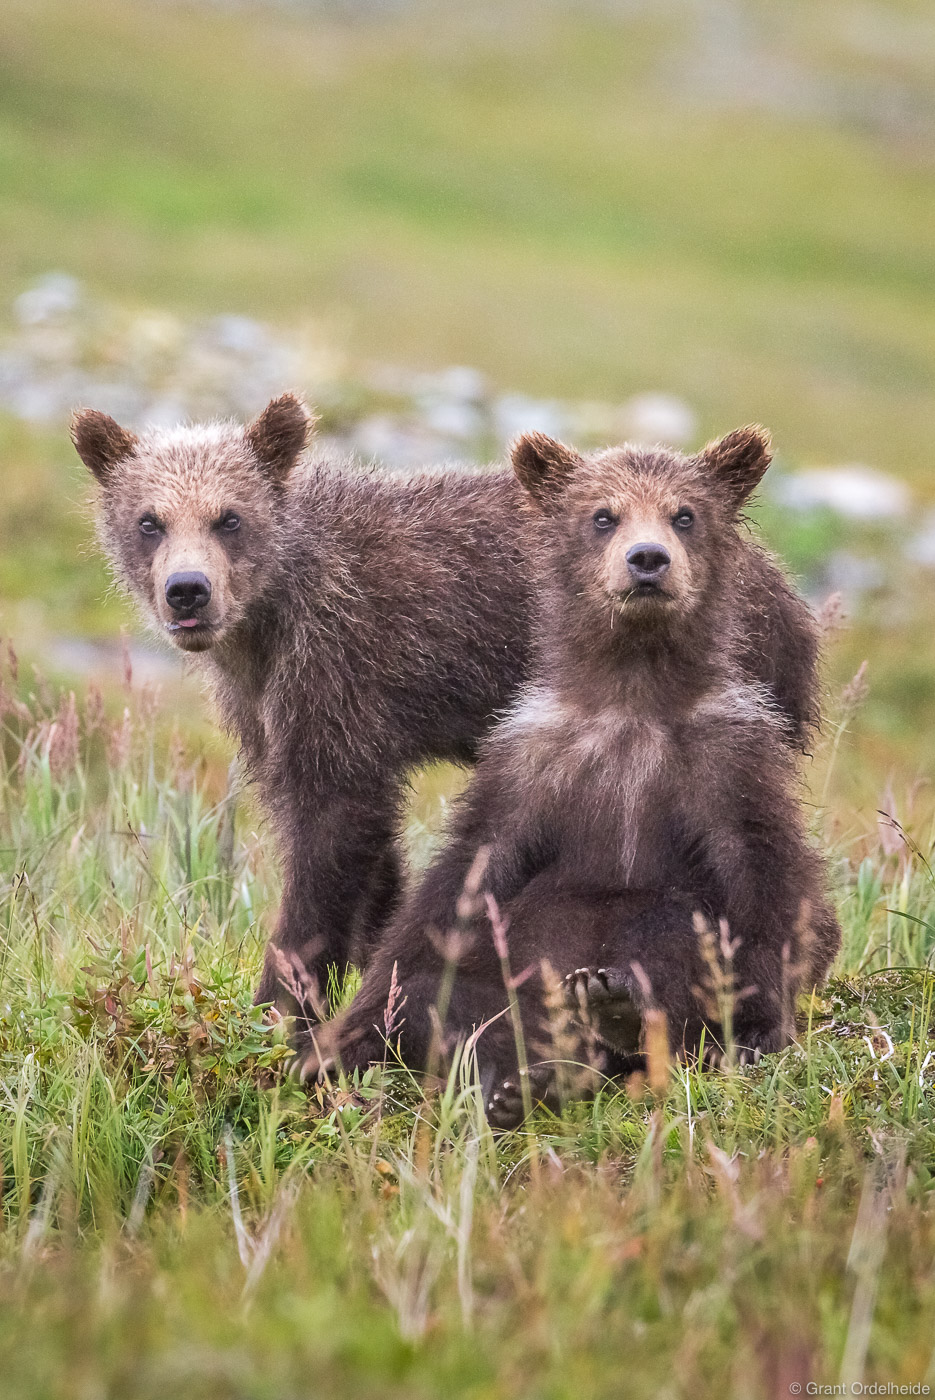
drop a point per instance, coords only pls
(178, 1213)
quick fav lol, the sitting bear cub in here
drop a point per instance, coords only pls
(642, 789)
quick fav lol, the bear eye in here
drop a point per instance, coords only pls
(229, 521)
(604, 519)
(683, 520)
(149, 525)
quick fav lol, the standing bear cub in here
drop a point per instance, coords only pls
(642, 790)
(353, 625)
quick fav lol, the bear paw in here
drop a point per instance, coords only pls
(750, 1044)
(715, 1057)
(505, 1108)
(604, 998)
(313, 1068)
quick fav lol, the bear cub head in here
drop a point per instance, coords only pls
(190, 516)
(640, 541)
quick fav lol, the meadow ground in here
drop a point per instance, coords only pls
(178, 1214)
(589, 200)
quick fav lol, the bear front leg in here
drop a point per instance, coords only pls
(768, 884)
(378, 904)
(336, 851)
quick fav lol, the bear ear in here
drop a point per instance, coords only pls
(100, 442)
(544, 468)
(739, 461)
(278, 435)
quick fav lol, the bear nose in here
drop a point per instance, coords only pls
(186, 592)
(647, 562)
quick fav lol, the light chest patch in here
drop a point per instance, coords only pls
(554, 738)
(614, 770)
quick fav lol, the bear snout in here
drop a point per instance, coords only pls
(187, 592)
(647, 563)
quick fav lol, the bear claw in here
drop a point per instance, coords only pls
(505, 1107)
(603, 998)
(745, 1057)
(587, 984)
(316, 1070)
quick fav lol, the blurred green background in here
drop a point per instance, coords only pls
(726, 202)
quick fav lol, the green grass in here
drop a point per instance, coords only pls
(177, 1215)
(533, 188)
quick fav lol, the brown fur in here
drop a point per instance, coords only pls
(358, 624)
(101, 443)
(642, 780)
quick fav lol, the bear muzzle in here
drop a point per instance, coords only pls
(647, 564)
(188, 593)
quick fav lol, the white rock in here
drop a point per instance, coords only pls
(853, 574)
(164, 412)
(515, 413)
(857, 492)
(659, 418)
(240, 335)
(36, 402)
(47, 398)
(460, 382)
(452, 403)
(921, 546)
(56, 294)
(394, 444)
(121, 400)
(453, 418)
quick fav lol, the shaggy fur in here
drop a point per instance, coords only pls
(357, 624)
(642, 789)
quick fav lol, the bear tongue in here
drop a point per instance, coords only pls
(187, 622)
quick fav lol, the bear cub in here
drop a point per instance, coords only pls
(642, 792)
(353, 625)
